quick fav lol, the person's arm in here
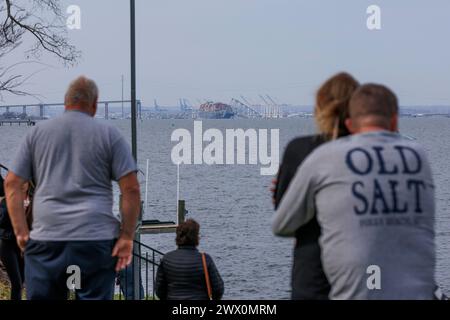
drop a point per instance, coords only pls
(124, 171)
(297, 205)
(296, 152)
(161, 282)
(279, 184)
(15, 202)
(217, 285)
(131, 202)
(21, 172)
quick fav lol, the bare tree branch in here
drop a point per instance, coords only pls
(13, 82)
(43, 23)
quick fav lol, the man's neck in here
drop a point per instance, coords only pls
(79, 109)
(367, 129)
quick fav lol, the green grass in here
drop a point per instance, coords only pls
(117, 297)
(5, 294)
(4, 291)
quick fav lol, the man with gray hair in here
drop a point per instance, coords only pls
(75, 238)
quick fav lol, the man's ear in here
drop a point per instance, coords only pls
(349, 125)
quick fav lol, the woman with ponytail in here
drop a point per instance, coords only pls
(331, 110)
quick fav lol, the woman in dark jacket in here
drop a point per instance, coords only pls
(308, 278)
(181, 274)
(10, 254)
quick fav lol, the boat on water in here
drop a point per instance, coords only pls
(216, 110)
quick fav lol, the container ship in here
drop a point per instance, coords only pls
(216, 110)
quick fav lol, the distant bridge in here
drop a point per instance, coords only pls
(42, 107)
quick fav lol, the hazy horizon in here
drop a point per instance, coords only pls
(216, 50)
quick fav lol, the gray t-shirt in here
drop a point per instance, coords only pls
(73, 159)
(373, 195)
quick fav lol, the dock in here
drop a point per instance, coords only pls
(28, 123)
(158, 227)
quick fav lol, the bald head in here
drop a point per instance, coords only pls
(82, 95)
(373, 106)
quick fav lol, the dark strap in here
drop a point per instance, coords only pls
(208, 282)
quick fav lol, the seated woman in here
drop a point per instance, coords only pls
(181, 274)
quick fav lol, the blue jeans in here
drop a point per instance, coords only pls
(47, 269)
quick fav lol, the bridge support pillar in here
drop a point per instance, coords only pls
(41, 111)
(106, 111)
(139, 110)
(138, 105)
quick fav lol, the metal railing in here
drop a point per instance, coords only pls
(149, 260)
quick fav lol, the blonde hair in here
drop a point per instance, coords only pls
(332, 105)
(82, 92)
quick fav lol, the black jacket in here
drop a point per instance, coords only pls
(2, 189)
(308, 279)
(6, 229)
(180, 276)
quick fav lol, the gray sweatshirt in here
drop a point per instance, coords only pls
(373, 195)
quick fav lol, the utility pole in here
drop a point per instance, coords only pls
(123, 113)
(133, 79)
(136, 248)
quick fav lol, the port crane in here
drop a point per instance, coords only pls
(244, 110)
(276, 106)
(271, 109)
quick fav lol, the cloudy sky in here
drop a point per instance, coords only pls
(219, 49)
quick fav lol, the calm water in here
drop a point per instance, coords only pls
(233, 206)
